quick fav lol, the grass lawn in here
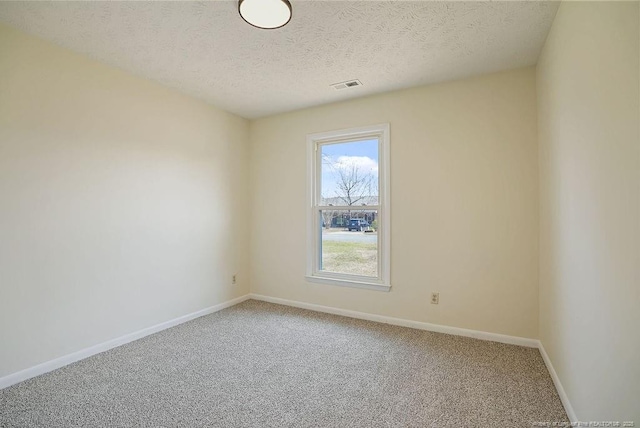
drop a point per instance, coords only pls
(356, 258)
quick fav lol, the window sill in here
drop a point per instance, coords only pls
(348, 283)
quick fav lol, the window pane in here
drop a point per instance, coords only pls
(349, 173)
(349, 241)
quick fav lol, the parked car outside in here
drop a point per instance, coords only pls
(358, 224)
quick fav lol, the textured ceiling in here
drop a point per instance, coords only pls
(206, 50)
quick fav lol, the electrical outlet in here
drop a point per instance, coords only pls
(233, 279)
(435, 298)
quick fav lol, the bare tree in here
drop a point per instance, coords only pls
(354, 185)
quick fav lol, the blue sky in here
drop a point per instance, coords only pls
(364, 154)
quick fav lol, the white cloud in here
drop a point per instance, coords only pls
(364, 163)
(333, 165)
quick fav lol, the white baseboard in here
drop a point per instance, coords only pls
(113, 343)
(556, 381)
(483, 335)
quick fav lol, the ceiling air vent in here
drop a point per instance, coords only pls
(347, 84)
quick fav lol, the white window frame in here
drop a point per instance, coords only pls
(314, 171)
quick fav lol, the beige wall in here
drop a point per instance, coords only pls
(588, 97)
(464, 202)
(123, 204)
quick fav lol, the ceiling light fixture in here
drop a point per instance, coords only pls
(265, 14)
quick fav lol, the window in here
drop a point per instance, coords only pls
(348, 208)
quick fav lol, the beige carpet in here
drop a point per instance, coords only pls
(264, 365)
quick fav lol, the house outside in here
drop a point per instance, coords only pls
(340, 217)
